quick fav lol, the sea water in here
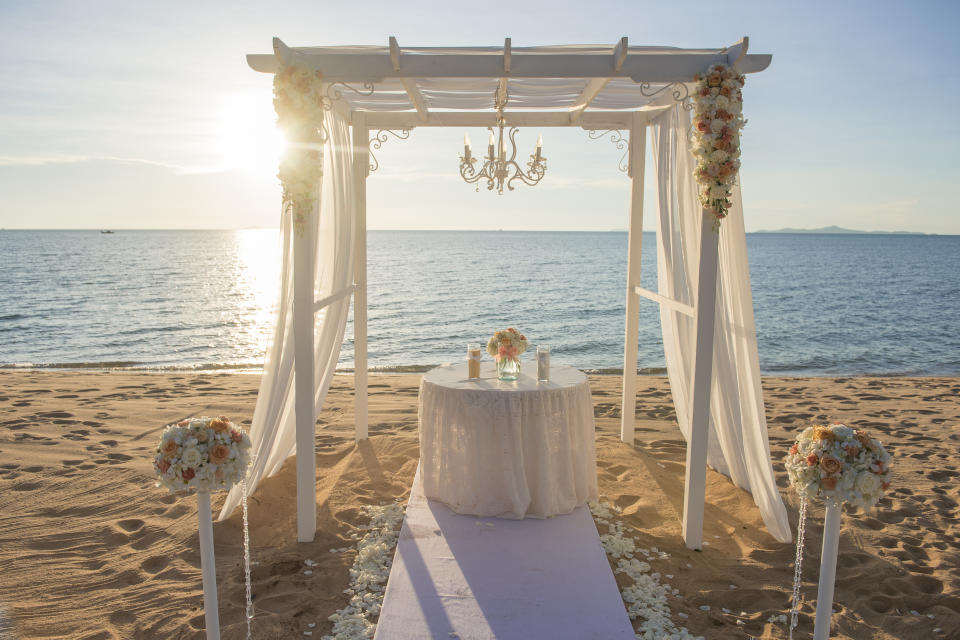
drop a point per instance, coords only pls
(824, 304)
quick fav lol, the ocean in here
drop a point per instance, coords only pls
(826, 305)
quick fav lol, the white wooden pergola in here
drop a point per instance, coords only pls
(596, 88)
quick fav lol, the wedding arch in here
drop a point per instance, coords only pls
(330, 99)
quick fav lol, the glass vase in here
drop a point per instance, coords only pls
(508, 369)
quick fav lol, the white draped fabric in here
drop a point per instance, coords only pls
(738, 444)
(331, 230)
(516, 450)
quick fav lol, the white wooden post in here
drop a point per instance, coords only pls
(696, 477)
(361, 158)
(208, 566)
(628, 403)
(304, 247)
(828, 571)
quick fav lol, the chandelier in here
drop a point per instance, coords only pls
(498, 169)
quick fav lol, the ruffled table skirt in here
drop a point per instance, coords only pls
(508, 449)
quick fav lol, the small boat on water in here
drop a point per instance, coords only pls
(106, 231)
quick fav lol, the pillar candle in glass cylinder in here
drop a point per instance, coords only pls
(473, 361)
(543, 362)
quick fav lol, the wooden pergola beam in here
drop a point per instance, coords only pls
(589, 120)
(620, 53)
(371, 65)
(409, 84)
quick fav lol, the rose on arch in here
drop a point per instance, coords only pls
(718, 105)
(298, 98)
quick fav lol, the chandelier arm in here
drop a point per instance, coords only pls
(513, 146)
(471, 178)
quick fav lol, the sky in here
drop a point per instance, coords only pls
(145, 115)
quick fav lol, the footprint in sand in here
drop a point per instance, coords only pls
(130, 524)
(155, 564)
(55, 414)
(121, 618)
(117, 458)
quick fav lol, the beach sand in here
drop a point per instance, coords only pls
(91, 549)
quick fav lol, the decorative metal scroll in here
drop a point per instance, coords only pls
(333, 93)
(622, 144)
(680, 94)
(376, 142)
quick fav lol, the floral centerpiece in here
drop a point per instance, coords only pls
(202, 454)
(718, 119)
(506, 347)
(840, 464)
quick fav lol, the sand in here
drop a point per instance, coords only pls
(91, 549)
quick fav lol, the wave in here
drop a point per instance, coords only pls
(131, 365)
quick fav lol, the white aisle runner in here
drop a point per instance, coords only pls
(476, 578)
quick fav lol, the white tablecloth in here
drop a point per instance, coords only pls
(509, 449)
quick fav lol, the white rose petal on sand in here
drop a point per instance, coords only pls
(646, 597)
(368, 575)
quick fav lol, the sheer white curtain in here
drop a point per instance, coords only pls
(738, 444)
(331, 229)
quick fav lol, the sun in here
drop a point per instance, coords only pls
(247, 137)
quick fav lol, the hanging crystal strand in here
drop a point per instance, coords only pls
(801, 528)
(246, 559)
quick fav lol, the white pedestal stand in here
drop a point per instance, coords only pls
(828, 571)
(208, 565)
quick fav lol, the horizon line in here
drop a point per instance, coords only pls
(789, 231)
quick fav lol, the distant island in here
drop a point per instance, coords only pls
(835, 229)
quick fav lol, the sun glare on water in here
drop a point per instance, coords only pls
(248, 139)
(258, 281)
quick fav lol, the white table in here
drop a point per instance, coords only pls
(509, 449)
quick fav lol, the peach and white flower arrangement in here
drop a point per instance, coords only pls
(299, 102)
(202, 454)
(840, 464)
(507, 344)
(718, 119)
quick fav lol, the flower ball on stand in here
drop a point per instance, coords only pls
(838, 464)
(203, 455)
